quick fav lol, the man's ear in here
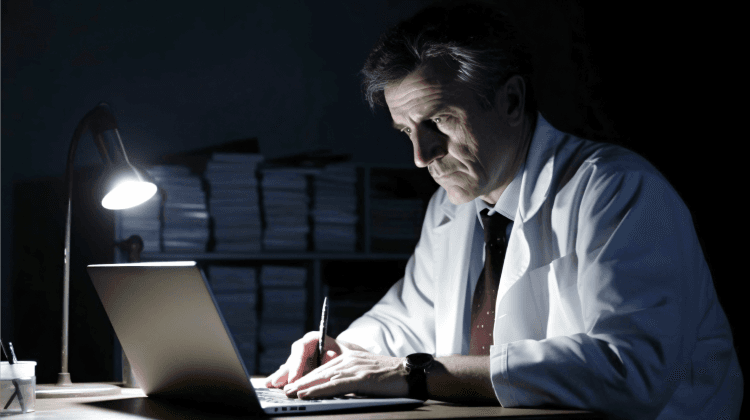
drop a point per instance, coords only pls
(510, 100)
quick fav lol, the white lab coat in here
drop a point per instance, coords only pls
(605, 300)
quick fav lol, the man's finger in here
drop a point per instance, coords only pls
(317, 376)
(311, 379)
(278, 378)
(303, 368)
(300, 360)
(332, 388)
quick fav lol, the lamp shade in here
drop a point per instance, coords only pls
(126, 186)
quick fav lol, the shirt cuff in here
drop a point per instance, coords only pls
(500, 377)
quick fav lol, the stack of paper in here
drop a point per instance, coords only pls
(236, 291)
(286, 207)
(228, 280)
(234, 201)
(283, 313)
(143, 221)
(185, 221)
(335, 209)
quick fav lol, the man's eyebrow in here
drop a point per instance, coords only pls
(433, 111)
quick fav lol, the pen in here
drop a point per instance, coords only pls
(323, 328)
(12, 353)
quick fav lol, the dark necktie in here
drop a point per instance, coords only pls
(485, 294)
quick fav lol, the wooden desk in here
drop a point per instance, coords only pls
(132, 404)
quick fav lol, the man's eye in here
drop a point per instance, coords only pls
(406, 130)
(437, 120)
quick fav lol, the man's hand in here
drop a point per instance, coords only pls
(347, 368)
(354, 371)
(302, 359)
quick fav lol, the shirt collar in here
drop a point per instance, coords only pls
(507, 204)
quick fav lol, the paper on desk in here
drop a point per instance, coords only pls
(258, 382)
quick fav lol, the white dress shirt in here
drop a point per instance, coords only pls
(605, 300)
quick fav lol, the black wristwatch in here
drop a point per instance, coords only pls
(416, 366)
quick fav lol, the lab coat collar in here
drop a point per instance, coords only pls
(539, 168)
(539, 171)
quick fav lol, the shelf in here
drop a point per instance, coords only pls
(366, 271)
(203, 256)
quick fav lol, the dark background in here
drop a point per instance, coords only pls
(197, 74)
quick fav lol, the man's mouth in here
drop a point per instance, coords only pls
(445, 175)
(437, 173)
(441, 173)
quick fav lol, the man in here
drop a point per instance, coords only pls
(605, 301)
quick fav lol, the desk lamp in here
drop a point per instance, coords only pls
(123, 186)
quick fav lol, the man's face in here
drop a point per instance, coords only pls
(469, 151)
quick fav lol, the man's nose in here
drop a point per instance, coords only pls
(428, 146)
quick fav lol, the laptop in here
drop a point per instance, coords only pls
(179, 346)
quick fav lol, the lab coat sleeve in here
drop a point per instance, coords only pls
(641, 278)
(403, 321)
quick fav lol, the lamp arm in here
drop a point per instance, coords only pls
(63, 377)
(101, 119)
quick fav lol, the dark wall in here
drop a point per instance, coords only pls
(199, 74)
(177, 78)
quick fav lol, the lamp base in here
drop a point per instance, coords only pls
(66, 389)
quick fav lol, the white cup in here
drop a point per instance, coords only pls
(17, 387)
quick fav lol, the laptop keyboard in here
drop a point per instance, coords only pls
(277, 396)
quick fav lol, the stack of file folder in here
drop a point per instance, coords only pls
(286, 209)
(334, 210)
(234, 201)
(236, 291)
(283, 318)
(185, 223)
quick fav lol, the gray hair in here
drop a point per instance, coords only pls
(475, 39)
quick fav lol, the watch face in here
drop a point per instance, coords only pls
(419, 359)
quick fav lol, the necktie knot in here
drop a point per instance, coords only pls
(494, 228)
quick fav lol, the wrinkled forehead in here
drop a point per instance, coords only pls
(431, 82)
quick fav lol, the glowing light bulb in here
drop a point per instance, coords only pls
(128, 194)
